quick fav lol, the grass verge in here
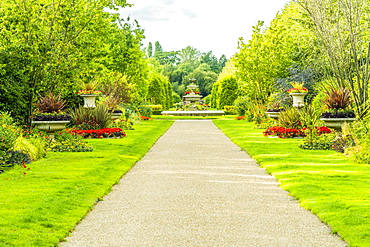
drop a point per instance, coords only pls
(41, 207)
(325, 182)
(160, 117)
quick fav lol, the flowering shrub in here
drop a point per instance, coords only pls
(240, 118)
(298, 90)
(282, 132)
(102, 133)
(145, 118)
(189, 92)
(84, 91)
(68, 142)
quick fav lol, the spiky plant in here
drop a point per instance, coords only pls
(337, 99)
(50, 103)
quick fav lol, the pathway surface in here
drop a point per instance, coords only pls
(196, 188)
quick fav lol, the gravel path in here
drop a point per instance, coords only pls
(196, 188)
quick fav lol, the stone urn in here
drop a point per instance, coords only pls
(336, 123)
(298, 99)
(50, 127)
(89, 100)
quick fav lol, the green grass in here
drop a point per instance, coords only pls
(41, 207)
(156, 117)
(325, 182)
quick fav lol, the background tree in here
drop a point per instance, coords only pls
(341, 27)
(227, 91)
(45, 46)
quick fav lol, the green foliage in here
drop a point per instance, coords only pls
(154, 107)
(10, 159)
(229, 108)
(290, 118)
(242, 106)
(316, 141)
(67, 142)
(50, 47)
(309, 116)
(227, 91)
(176, 98)
(24, 145)
(90, 118)
(8, 132)
(160, 91)
(341, 29)
(271, 51)
(208, 99)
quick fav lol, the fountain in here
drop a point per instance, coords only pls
(192, 96)
(191, 100)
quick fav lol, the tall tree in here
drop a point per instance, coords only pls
(150, 50)
(342, 29)
(44, 43)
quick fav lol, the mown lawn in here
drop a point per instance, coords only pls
(41, 207)
(325, 182)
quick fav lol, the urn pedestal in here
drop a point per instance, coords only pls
(298, 99)
(336, 123)
(89, 100)
(50, 127)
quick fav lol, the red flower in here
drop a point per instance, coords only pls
(101, 133)
(145, 118)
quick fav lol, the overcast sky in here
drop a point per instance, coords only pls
(208, 25)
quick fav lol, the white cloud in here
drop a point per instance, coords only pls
(207, 25)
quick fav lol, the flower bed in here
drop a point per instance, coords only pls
(189, 92)
(145, 118)
(92, 92)
(102, 133)
(240, 118)
(282, 132)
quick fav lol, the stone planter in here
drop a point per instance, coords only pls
(50, 126)
(273, 114)
(89, 100)
(336, 123)
(116, 115)
(298, 99)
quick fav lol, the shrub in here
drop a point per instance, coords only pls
(227, 91)
(154, 107)
(11, 158)
(101, 133)
(290, 118)
(208, 99)
(229, 108)
(50, 103)
(67, 142)
(91, 118)
(242, 106)
(342, 142)
(282, 132)
(318, 138)
(23, 145)
(8, 132)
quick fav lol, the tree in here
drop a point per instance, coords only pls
(227, 91)
(341, 27)
(271, 51)
(160, 91)
(150, 50)
(43, 46)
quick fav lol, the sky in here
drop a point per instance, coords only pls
(208, 25)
